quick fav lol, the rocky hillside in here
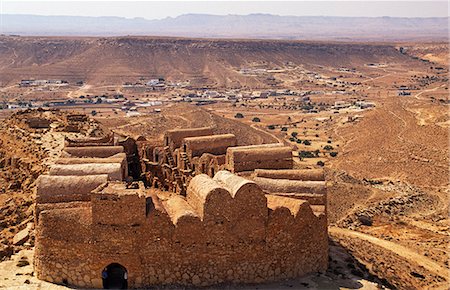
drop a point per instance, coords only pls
(216, 62)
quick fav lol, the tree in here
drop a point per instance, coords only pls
(333, 154)
(320, 163)
(307, 142)
(271, 127)
(239, 116)
(284, 129)
(256, 119)
(328, 147)
(294, 134)
(306, 154)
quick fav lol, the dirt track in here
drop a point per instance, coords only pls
(400, 250)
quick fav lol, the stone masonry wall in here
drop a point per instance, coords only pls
(224, 230)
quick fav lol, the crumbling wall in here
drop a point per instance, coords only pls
(38, 123)
(107, 140)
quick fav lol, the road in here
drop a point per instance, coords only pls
(429, 90)
(400, 250)
(267, 133)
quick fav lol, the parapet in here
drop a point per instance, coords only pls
(209, 198)
(249, 206)
(180, 211)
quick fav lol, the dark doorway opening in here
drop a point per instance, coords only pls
(115, 276)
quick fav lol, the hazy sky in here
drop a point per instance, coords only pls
(162, 9)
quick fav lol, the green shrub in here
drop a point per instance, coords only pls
(306, 154)
(328, 147)
(256, 119)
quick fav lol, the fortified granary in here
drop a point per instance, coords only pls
(197, 210)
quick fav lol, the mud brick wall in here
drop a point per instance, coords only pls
(53, 189)
(117, 158)
(174, 138)
(292, 174)
(249, 158)
(113, 170)
(225, 230)
(92, 151)
(214, 144)
(87, 142)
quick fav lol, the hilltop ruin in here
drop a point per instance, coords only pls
(196, 210)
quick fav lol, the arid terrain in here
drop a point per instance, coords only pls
(374, 116)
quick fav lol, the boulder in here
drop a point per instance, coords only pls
(21, 237)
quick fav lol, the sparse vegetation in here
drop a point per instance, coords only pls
(308, 154)
(328, 147)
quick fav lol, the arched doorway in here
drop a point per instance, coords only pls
(115, 276)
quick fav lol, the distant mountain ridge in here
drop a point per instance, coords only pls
(265, 26)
